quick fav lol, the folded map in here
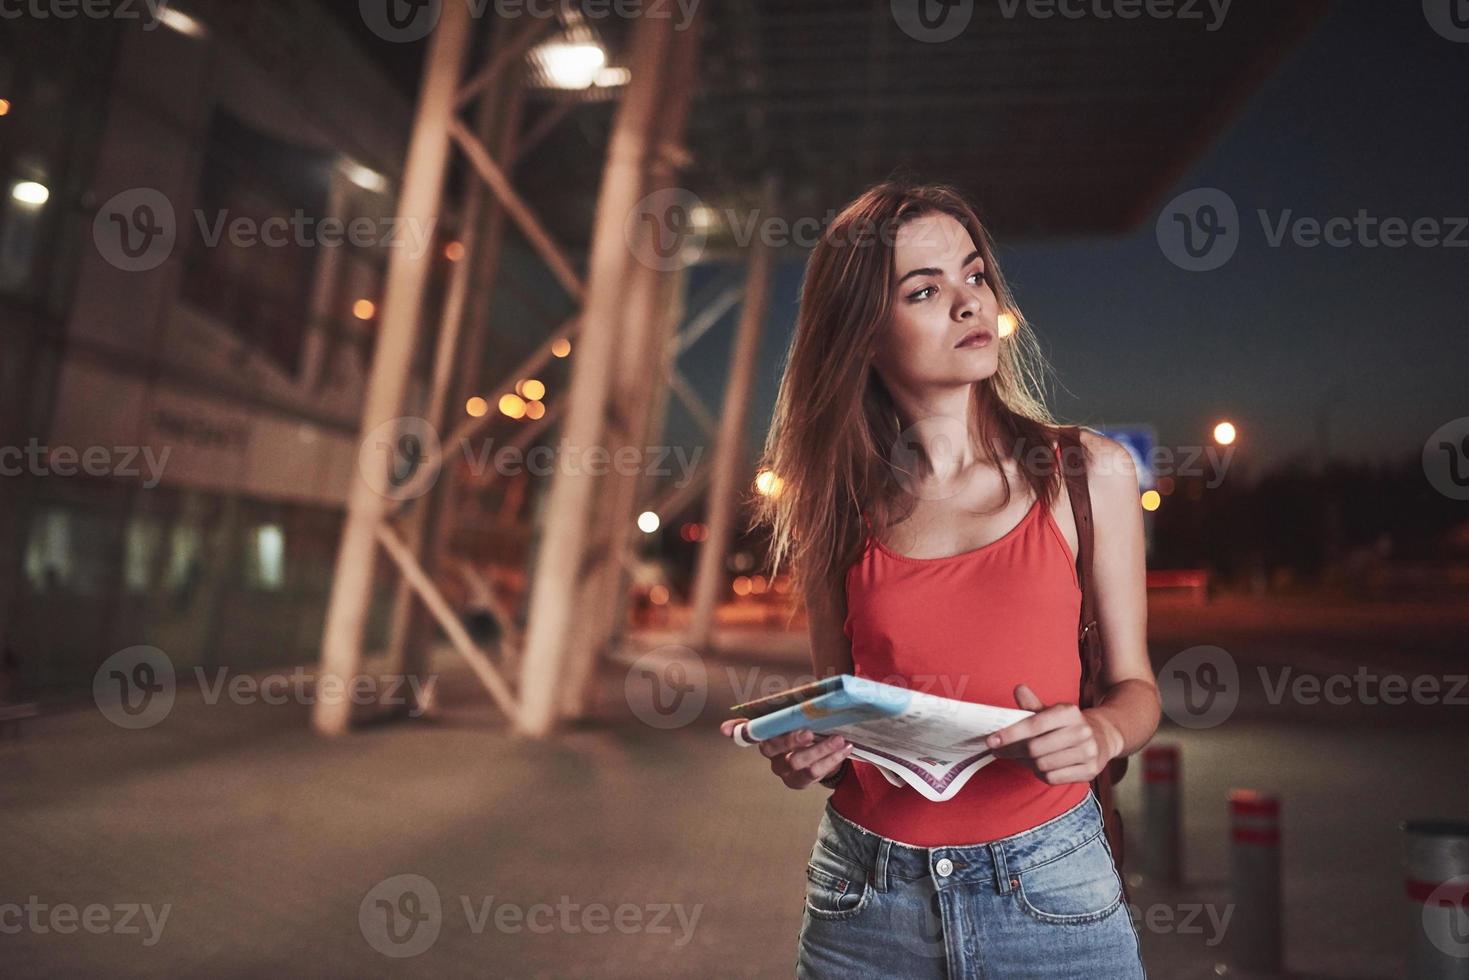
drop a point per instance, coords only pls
(931, 743)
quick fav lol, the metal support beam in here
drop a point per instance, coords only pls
(530, 226)
(729, 451)
(644, 334)
(568, 504)
(407, 633)
(407, 276)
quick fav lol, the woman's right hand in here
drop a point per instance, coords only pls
(800, 757)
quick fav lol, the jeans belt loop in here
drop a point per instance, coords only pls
(1002, 873)
(879, 874)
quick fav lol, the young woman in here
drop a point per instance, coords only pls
(927, 525)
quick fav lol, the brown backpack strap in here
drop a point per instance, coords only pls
(1073, 469)
(1089, 637)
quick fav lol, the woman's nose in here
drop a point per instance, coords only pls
(967, 305)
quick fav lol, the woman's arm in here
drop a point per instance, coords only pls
(1064, 743)
(1128, 706)
(801, 757)
(826, 614)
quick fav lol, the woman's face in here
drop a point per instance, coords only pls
(942, 330)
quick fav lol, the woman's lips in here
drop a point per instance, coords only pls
(975, 338)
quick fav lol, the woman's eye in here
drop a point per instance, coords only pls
(921, 294)
(979, 274)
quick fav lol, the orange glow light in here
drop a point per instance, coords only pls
(512, 406)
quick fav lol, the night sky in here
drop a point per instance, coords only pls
(1370, 112)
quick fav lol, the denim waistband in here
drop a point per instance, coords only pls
(995, 862)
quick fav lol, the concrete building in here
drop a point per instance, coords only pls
(184, 335)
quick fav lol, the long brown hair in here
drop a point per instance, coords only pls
(835, 423)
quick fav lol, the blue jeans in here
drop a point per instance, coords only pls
(1045, 903)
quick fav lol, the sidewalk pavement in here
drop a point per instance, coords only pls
(615, 850)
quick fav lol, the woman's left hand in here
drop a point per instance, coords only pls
(1060, 743)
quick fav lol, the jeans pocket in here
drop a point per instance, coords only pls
(1079, 886)
(836, 886)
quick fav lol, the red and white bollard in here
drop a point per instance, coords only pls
(1162, 859)
(1437, 871)
(1254, 863)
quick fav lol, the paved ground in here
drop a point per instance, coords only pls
(623, 850)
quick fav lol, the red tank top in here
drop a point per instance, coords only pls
(969, 626)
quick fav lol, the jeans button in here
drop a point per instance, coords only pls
(944, 867)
